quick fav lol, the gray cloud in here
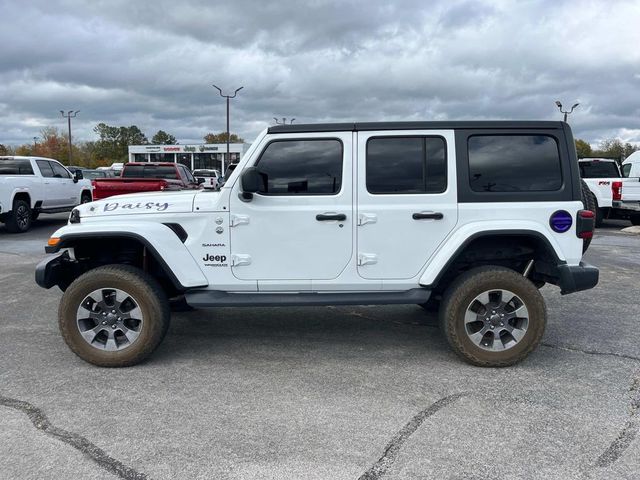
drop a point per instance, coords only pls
(152, 63)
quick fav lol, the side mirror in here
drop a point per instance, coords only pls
(251, 181)
(77, 175)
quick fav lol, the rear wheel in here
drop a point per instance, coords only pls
(19, 220)
(493, 316)
(635, 219)
(114, 316)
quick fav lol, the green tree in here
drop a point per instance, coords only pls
(583, 148)
(163, 138)
(222, 138)
(614, 147)
(113, 141)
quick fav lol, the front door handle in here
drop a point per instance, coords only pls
(324, 217)
(428, 216)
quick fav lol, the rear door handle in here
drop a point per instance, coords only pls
(325, 217)
(428, 216)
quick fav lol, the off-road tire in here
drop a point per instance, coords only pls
(589, 202)
(85, 197)
(635, 219)
(19, 220)
(462, 292)
(152, 302)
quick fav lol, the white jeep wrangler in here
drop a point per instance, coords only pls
(468, 217)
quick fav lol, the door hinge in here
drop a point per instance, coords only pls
(367, 259)
(239, 260)
(364, 218)
(239, 220)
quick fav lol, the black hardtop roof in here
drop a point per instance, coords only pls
(448, 125)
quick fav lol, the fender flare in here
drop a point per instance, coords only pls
(173, 256)
(430, 278)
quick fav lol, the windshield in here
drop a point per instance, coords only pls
(15, 166)
(150, 171)
(598, 169)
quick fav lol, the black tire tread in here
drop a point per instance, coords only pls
(151, 292)
(454, 299)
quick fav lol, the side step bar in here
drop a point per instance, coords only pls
(217, 298)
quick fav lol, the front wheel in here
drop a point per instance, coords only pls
(493, 316)
(114, 316)
(635, 219)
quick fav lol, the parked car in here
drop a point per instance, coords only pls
(145, 177)
(208, 178)
(88, 173)
(30, 186)
(338, 214)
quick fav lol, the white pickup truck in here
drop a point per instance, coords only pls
(33, 185)
(629, 204)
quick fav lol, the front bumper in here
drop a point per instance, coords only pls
(574, 278)
(53, 271)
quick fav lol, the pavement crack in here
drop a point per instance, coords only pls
(570, 348)
(80, 443)
(628, 432)
(392, 449)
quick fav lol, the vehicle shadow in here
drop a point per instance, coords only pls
(203, 333)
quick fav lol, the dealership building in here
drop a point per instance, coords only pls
(208, 155)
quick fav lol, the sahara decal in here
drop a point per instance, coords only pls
(213, 245)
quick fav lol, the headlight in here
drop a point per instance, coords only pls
(74, 216)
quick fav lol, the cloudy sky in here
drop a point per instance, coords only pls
(152, 63)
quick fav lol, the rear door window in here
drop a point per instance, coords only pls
(45, 168)
(406, 165)
(514, 163)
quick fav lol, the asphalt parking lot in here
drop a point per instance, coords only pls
(330, 393)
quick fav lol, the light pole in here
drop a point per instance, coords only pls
(69, 115)
(559, 105)
(284, 121)
(228, 132)
(35, 139)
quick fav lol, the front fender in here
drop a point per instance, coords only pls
(159, 239)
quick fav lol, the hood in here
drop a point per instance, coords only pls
(140, 204)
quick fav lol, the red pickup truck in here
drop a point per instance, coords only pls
(139, 177)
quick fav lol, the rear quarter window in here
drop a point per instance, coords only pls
(514, 163)
(16, 167)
